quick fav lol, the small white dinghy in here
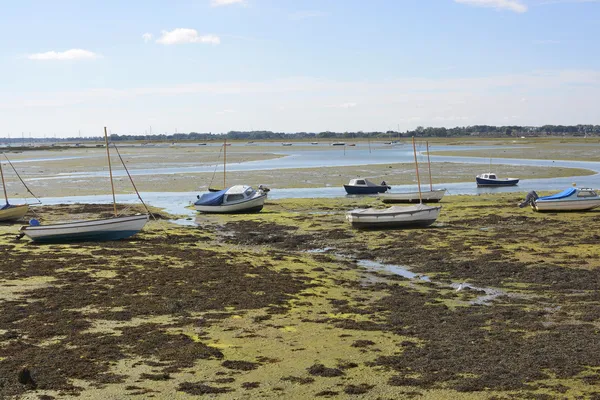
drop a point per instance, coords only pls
(420, 215)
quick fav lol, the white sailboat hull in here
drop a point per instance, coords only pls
(94, 230)
(394, 217)
(14, 213)
(254, 204)
(566, 205)
(429, 196)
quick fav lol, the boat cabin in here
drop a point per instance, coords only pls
(488, 176)
(238, 193)
(362, 182)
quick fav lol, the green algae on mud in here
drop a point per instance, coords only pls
(276, 304)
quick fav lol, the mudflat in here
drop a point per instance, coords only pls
(291, 302)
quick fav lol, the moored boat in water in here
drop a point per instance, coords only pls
(491, 179)
(365, 186)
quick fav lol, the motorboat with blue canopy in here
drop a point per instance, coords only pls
(236, 199)
(571, 199)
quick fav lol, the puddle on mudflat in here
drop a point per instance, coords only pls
(489, 294)
(322, 250)
(394, 269)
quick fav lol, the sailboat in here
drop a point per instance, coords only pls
(113, 228)
(238, 199)
(420, 215)
(427, 196)
(10, 212)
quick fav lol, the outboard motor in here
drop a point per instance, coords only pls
(529, 199)
(263, 189)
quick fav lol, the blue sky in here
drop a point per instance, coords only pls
(285, 65)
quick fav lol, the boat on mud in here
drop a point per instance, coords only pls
(238, 199)
(571, 199)
(365, 186)
(427, 196)
(418, 216)
(491, 179)
(115, 228)
(12, 212)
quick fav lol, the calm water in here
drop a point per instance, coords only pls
(359, 155)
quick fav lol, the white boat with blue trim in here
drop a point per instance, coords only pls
(236, 199)
(571, 199)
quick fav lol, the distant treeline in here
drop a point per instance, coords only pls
(475, 130)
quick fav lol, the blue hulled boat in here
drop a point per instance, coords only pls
(365, 186)
(491, 179)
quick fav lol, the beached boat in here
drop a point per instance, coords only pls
(286, 144)
(114, 228)
(365, 186)
(571, 199)
(338, 144)
(490, 179)
(427, 196)
(420, 215)
(10, 212)
(236, 199)
(96, 230)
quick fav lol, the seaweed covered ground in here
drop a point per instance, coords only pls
(492, 301)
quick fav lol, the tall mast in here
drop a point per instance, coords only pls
(429, 164)
(110, 172)
(417, 168)
(3, 184)
(224, 163)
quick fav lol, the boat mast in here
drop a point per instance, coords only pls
(110, 172)
(3, 184)
(417, 168)
(429, 165)
(224, 163)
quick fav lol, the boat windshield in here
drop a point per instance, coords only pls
(587, 193)
(249, 192)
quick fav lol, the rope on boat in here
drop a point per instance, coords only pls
(216, 165)
(21, 179)
(132, 183)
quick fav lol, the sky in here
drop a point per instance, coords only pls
(71, 67)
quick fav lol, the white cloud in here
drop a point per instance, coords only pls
(147, 37)
(511, 5)
(73, 54)
(184, 35)
(218, 3)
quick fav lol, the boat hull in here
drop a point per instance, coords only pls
(82, 231)
(566, 205)
(365, 189)
(14, 213)
(496, 182)
(429, 196)
(394, 217)
(249, 206)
